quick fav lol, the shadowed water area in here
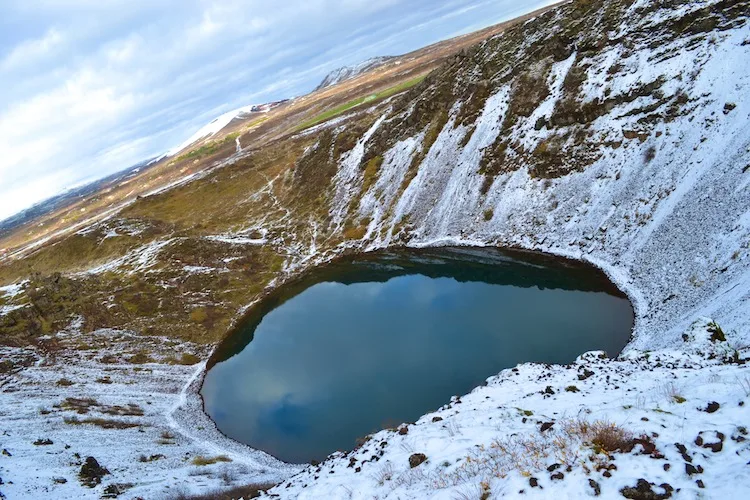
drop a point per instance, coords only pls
(371, 341)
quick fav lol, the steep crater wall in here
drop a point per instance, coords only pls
(612, 132)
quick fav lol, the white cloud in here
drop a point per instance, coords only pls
(33, 51)
(89, 87)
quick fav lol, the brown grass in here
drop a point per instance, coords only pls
(79, 405)
(568, 443)
(200, 460)
(249, 491)
(104, 423)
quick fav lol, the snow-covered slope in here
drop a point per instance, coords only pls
(634, 156)
(218, 123)
(212, 128)
(625, 144)
(666, 423)
(348, 72)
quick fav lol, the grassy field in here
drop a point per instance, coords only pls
(338, 110)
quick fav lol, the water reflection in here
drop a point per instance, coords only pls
(341, 358)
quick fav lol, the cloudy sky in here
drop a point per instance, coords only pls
(91, 87)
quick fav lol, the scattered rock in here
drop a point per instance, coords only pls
(557, 476)
(729, 107)
(115, 490)
(534, 482)
(553, 467)
(417, 459)
(403, 431)
(683, 451)
(711, 440)
(700, 484)
(437, 419)
(712, 407)
(595, 486)
(6, 453)
(690, 469)
(549, 390)
(43, 442)
(649, 448)
(91, 473)
(59, 480)
(546, 426)
(643, 491)
(586, 374)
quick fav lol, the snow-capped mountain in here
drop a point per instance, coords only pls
(218, 123)
(348, 72)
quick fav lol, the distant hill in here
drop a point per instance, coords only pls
(68, 197)
(347, 72)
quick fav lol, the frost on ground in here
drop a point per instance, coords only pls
(667, 423)
(660, 203)
(98, 395)
(7, 296)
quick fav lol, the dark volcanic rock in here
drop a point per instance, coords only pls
(417, 459)
(595, 486)
(712, 407)
(643, 491)
(546, 426)
(690, 469)
(92, 473)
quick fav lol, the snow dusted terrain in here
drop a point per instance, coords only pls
(348, 72)
(212, 128)
(124, 414)
(673, 230)
(528, 434)
(664, 209)
(647, 176)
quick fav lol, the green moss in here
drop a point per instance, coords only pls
(372, 167)
(199, 315)
(186, 359)
(368, 99)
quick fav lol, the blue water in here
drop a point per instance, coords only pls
(378, 340)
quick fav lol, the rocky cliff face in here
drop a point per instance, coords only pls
(614, 132)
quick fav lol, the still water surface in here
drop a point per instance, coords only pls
(372, 341)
